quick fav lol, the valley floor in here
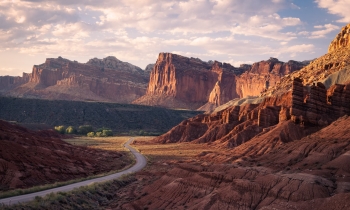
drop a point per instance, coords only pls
(310, 173)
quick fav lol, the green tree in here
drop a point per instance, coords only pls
(101, 129)
(91, 134)
(98, 134)
(141, 133)
(61, 129)
(84, 129)
(107, 133)
(70, 130)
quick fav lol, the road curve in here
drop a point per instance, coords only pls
(141, 162)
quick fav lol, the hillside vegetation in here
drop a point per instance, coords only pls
(117, 117)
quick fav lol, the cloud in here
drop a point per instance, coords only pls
(136, 31)
(336, 7)
(294, 6)
(10, 71)
(237, 63)
(323, 31)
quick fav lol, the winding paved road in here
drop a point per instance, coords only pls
(141, 162)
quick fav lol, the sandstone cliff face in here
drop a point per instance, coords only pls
(107, 79)
(302, 100)
(307, 107)
(264, 173)
(341, 41)
(223, 91)
(324, 69)
(181, 77)
(263, 75)
(176, 80)
(10, 82)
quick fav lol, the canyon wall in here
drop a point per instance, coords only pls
(342, 40)
(174, 81)
(330, 69)
(180, 82)
(307, 107)
(107, 79)
(10, 82)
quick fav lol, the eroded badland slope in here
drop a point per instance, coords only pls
(291, 151)
(29, 158)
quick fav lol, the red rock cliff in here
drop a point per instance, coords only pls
(10, 82)
(342, 40)
(180, 82)
(105, 79)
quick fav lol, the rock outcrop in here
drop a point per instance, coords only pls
(310, 173)
(341, 41)
(318, 106)
(149, 68)
(263, 75)
(231, 127)
(330, 69)
(180, 82)
(11, 82)
(107, 79)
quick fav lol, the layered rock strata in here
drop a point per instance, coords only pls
(311, 173)
(341, 40)
(330, 69)
(107, 79)
(11, 82)
(190, 83)
(305, 107)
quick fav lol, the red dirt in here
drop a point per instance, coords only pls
(311, 173)
(29, 158)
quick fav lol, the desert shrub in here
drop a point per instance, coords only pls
(84, 129)
(70, 130)
(98, 134)
(91, 134)
(61, 129)
(107, 133)
(101, 129)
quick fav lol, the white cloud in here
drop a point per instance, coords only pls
(324, 30)
(10, 71)
(294, 6)
(236, 63)
(136, 31)
(304, 33)
(336, 7)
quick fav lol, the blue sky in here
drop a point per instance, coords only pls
(135, 31)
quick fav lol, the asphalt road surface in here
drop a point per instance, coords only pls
(141, 162)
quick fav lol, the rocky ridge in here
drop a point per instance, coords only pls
(11, 82)
(238, 124)
(107, 79)
(311, 173)
(180, 82)
(342, 40)
(325, 69)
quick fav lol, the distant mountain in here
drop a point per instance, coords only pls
(180, 82)
(107, 79)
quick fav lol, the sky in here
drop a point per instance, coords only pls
(136, 31)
